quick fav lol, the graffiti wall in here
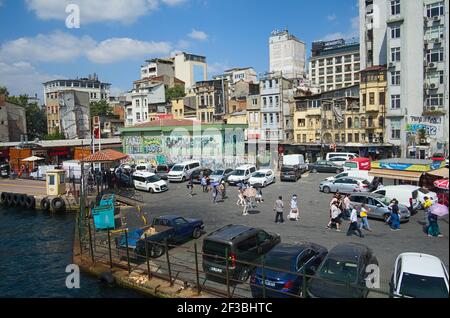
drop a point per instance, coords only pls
(433, 125)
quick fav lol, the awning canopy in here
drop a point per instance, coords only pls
(396, 174)
(442, 172)
(107, 155)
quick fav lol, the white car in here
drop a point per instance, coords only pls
(263, 177)
(419, 275)
(149, 182)
(411, 196)
(363, 174)
(242, 174)
(340, 161)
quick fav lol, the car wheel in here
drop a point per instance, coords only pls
(264, 184)
(151, 190)
(197, 233)
(326, 189)
(183, 179)
(314, 171)
(156, 251)
(244, 275)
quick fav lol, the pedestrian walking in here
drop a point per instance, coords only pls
(353, 224)
(364, 221)
(240, 201)
(294, 213)
(395, 216)
(346, 207)
(259, 195)
(215, 193)
(279, 208)
(426, 206)
(204, 184)
(433, 227)
(223, 190)
(247, 205)
(190, 187)
(335, 220)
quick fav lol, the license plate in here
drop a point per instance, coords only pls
(215, 269)
(269, 283)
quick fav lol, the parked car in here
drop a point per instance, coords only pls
(144, 167)
(163, 170)
(348, 155)
(5, 170)
(342, 273)
(182, 171)
(378, 206)
(197, 175)
(290, 173)
(220, 175)
(124, 179)
(345, 185)
(295, 160)
(242, 244)
(325, 166)
(363, 174)
(339, 161)
(408, 195)
(241, 175)
(262, 177)
(175, 229)
(419, 275)
(282, 259)
(149, 182)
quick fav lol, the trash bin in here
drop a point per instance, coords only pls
(104, 217)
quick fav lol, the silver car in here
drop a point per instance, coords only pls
(345, 185)
(378, 205)
(221, 174)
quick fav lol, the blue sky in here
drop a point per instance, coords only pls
(116, 36)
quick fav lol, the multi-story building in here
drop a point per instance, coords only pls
(334, 64)
(254, 117)
(210, 97)
(287, 54)
(158, 67)
(96, 89)
(234, 75)
(190, 69)
(411, 37)
(184, 108)
(276, 93)
(13, 123)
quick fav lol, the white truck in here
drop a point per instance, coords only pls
(295, 160)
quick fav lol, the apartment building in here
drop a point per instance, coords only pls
(190, 69)
(210, 100)
(334, 64)
(287, 54)
(411, 37)
(158, 67)
(13, 122)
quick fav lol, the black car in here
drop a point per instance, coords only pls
(325, 166)
(343, 274)
(5, 170)
(124, 179)
(163, 170)
(241, 245)
(197, 175)
(290, 173)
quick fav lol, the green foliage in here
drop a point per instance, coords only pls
(175, 92)
(55, 136)
(100, 108)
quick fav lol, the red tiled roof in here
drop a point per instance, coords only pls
(106, 155)
(166, 122)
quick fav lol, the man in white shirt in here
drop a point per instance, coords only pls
(353, 226)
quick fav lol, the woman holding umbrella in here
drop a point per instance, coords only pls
(435, 211)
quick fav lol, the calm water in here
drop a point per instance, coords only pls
(35, 249)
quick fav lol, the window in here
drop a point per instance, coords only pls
(395, 101)
(356, 122)
(338, 69)
(395, 32)
(371, 98)
(395, 7)
(265, 101)
(435, 100)
(364, 98)
(395, 129)
(270, 101)
(349, 122)
(350, 138)
(395, 78)
(435, 9)
(301, 122)
(51, 180)
(138, 116)
(137, 103)
(395, 54)
(265, 118)
(382, 98)
(277, 101)
(435, 55)
(356, 137)
(329, 70)
(338, 60)
(441, 77)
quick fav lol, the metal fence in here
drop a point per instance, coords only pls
(182, 264)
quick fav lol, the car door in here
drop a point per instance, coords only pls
(269, 177)
(376, 208)
(339, 185)
(182, 227)
(264, 242)
(248, 249)
(321, 166)
(330, 167)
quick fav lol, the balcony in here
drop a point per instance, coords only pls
(433, 110)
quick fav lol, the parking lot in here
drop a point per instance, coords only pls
(314, 212)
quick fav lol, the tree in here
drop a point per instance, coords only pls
(55, 136)
(4, 90)
(175, 92)
(100, 108)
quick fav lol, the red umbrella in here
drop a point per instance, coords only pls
(441, 184)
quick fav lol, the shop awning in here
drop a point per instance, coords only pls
(107, 155)
(442, 172)
(396, 174)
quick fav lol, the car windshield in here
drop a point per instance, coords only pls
(218, 173)
(259, 175)
(341, 271)
(153, 179)
(178, 168)
(141, 168)
(423, 286)
(384, 200)
(287, 169)
(239, 173)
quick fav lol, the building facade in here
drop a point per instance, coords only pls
(411, 37)
(210, 100)
(13, 123)
(334, 64)
(287, 54)
(158, 67)
(190, 69)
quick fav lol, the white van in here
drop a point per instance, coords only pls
(145, 167)
(362, 174)
(149, 182)
(295, 160)
(408, 195)
(348, 155)
(242, 174)
(182, 171)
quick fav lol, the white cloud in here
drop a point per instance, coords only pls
(332, 17)
(117, 49)
(63, 47)
(23, 78)
(198, 35)
(352, 33)
(124, 11)
(217, 68)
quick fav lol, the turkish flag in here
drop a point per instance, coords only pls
(97, 133)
